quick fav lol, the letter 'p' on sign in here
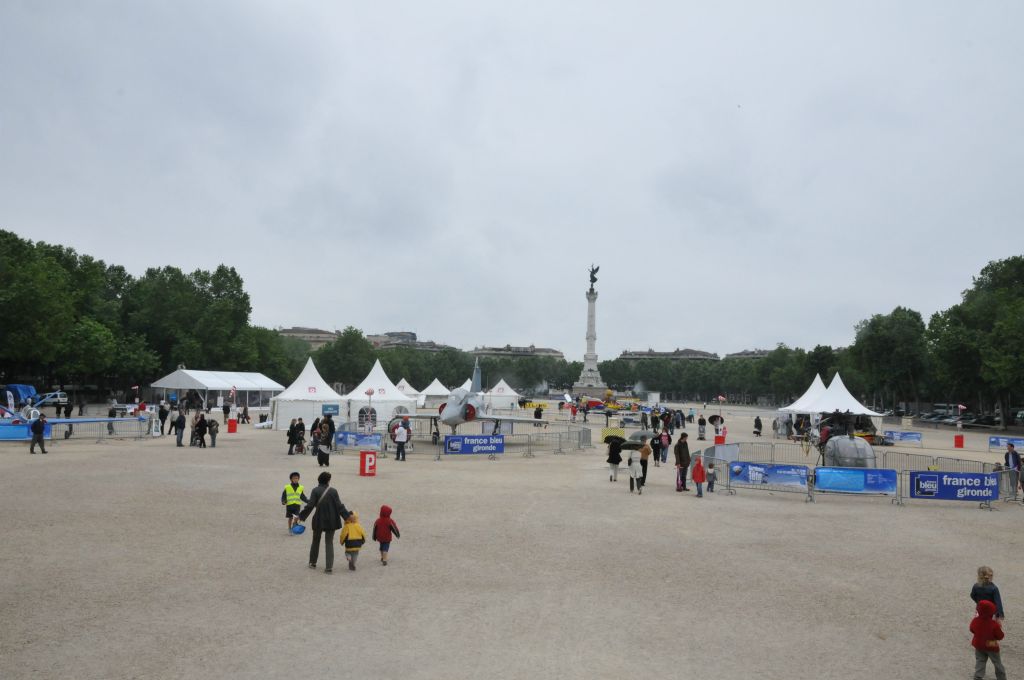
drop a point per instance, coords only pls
(367, 463)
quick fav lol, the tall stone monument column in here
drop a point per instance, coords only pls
(590, 383)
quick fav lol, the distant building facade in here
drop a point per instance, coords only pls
(748, 354)
(406, 339)
(675, 355)
(511, 351)
(316, 337)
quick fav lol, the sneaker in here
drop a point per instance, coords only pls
(328, 571)
(351, 567)
(609, 478)
(312, 566)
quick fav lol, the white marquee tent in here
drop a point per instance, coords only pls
(251, 388)
(812, 394)
(838, 398)
(502, 396)
(304, 398)
(384, 398)
(435, 394)
(408, 390)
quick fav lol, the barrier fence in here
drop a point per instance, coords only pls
(99, 429)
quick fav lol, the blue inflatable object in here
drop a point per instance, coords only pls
(298, 529)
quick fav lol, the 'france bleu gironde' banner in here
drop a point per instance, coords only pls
(855, 480)
(466, 443)
(903, 436)
(741, 472)
(357, 440)
(955, 486)
(1001, 442)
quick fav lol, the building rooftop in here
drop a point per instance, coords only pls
(675, 354)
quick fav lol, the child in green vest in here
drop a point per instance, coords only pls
(292, 497)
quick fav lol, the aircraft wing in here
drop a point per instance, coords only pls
(509, 419)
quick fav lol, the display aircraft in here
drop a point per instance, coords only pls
(463, 406)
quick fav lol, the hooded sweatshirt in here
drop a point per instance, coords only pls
(698, 475)
(987, 631)
(352, 534)
(385, 527)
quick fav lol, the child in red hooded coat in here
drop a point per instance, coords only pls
(384, 529)
(987, 634)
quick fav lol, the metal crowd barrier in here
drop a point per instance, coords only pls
(99, 429)
(1009, 486)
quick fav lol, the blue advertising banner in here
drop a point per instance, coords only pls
(741, 472)
(955, 486)
(21, 431)
(467, 443)
(902, 436)
(330, 409)
(1001, 442)
(358, 440)
(855, 480)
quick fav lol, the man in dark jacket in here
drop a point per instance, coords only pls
(162, 415)
(330, 513)
(201, 428)
(38, 427)
(179, 426)
(331, 429)
(1012, 460)
(682, 451)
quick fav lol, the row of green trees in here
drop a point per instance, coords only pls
(70, 318)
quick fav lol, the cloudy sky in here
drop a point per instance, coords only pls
(744, 173)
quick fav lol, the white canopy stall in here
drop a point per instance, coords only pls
(812, 394)
(251, 389)
(435, 394)
(502, 396)
(377, 398)
(305, 398)
(408, 390)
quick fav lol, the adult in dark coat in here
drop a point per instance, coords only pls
(201, 427)
(757, 426)
(162, 414)
(682, 451)
(328, 436)
(614, 458)
(179, 426)
(330, 514)
(38, 428)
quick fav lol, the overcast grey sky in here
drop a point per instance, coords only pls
(743, 173)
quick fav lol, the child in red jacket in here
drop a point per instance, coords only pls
(987, 634)
(384, 529)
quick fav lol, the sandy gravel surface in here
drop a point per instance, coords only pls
(140, 560)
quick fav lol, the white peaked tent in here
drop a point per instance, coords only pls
(838, 398)
(304, 398)
(501, 396)
(386, 399)
(408, 390)
(812, 394)
(468, 385)
(435, 394)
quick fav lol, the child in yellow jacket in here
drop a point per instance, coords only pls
(352, 537)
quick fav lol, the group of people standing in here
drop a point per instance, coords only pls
(199, 427)
(321, 438)
(638, 460)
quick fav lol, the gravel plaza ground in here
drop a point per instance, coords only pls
(136, 559)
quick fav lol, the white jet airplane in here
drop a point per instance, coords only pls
(463, 406)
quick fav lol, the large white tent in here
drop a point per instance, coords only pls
(304, 398)
(408, 390)
(435, 394)
(379, 397)
(502, 396)
(251, 389)
(838, 398)
(812, 394)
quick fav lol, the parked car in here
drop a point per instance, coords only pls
(982, 421)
